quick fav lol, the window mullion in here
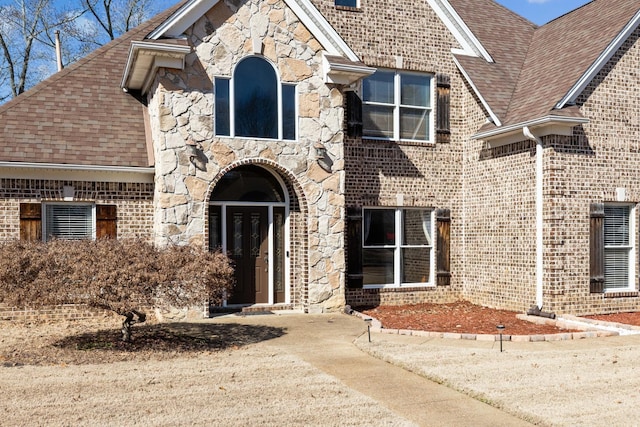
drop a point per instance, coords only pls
(396, 106)
(397, 259)
(232, 107)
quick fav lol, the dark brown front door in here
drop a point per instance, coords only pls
(248, 248)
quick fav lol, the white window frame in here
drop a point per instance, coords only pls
(50, 205)
(397, 106)
(630, 247)
(232, 122)
(398, 246)
(357, 4)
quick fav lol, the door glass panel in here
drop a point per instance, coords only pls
(256, 239)
(278, 246)
(237, 234)
(215, 224)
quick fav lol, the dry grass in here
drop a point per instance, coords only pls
(79, 373)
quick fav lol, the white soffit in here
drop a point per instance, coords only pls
(49, 171)
(193, 10)
(602, 60)
(146, 57)
(471, 46)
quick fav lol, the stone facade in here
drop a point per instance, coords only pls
(181, 109)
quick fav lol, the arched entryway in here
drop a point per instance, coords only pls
(248, 219)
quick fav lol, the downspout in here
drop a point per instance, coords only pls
(539, 217)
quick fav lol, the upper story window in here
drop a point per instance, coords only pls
(397, 106)
(253, 104)
(348, 3)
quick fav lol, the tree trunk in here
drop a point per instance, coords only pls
(131, 318)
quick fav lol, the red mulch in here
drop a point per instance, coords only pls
(624, 318)
(458, 317)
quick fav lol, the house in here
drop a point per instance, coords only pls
(352, 151)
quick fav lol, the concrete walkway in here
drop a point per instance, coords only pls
(326, 342)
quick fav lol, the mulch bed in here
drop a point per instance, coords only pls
(624, 318)
(458, 317)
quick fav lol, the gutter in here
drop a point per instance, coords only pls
(79, 168)
(539, 215)
(546, 120)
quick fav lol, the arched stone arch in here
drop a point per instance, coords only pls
(298, 227)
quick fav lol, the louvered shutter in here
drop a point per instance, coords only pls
(443, 253)
(443, 108)
(596, 248)
(354, 115)
(106, 221)
(31, 221)
(354, 247)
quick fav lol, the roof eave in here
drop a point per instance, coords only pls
(344, 73)
(602, 60)
(546, 125)
(144, 60)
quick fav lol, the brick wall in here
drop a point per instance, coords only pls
(407, 174)
(134, 202)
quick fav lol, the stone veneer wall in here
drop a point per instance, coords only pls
(134, 202)
(181, 109)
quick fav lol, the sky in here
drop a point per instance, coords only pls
(537, 11)
(542, 11)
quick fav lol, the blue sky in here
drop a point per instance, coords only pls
(537, 11)
(542, 11)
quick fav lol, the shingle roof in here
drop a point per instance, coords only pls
(562, 51)
(80, 115)
(506, 36)
(537, 66)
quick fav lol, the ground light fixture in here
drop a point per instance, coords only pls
(368, 322)
(501, 329)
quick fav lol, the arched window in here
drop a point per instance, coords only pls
(253, 104)
(248, 184)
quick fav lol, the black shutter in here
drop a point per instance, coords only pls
(354, 115)
(354, 247)
(443, 107)
(106, 222)
(596, 247)
(30, 221)
(443, 257)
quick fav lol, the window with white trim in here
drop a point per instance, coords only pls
(254, 104)
(619, 271)
(397, 106)
(71, 221)
(397, 246)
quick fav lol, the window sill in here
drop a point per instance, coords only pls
(622, 294)
(348, 8)
(403, 142)
(403, 288)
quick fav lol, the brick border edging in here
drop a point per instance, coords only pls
(376, 326)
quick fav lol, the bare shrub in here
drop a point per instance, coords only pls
(124, 276)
